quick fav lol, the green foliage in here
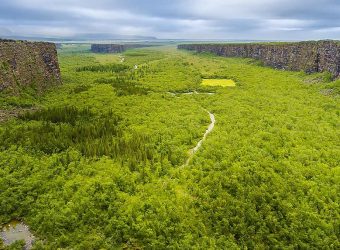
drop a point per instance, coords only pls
(59, 115)
(135, 53)
(63, 127)
(94, 169)
(333, 87)
(17, 245)
(80, 88)
(126, 84)
(124, 87)
(104, 68)
(24, 100)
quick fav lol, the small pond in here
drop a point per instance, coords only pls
(16, 230)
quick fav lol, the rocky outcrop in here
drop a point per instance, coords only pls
(318, 56)
(28, 64)
(115, 48)
(107, 48)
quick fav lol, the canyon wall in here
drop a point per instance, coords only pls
(28, 64)
(313, 56)
(115, 48)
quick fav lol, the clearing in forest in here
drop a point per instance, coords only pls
(219, 82)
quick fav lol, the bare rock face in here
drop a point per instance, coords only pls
(310, 57)
(115, 48)
(28, 64)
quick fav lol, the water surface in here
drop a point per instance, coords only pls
(16, 230)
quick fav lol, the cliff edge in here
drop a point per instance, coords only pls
(310, 56)
(28, 64)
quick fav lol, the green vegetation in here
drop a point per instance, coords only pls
(17, 245)
(99, 164)
(219, 82)
(124, 87)
(113, 68)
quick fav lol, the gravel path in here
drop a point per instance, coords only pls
(199, 144)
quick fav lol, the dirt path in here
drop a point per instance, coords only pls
(199, 144)
(122, 58)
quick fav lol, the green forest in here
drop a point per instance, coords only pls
(100, 161)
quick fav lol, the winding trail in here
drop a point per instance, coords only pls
(122, 58)
(199, 144)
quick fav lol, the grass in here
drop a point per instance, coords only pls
(219, 82)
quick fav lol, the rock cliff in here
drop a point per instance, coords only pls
(28, 64)
(313, 56)
(115, 48)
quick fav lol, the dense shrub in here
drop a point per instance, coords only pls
(97, 170)
(104, 68)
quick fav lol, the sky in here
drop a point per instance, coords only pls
(173, 19)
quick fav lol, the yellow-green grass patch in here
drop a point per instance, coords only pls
(219, 82)
(107, 58)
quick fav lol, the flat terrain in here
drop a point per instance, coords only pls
(219, 82)
(98, 163)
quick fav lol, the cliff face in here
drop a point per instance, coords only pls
(115, 48)
(307, 56)
(28, 64)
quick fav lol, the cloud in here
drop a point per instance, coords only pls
(5, 32)
(199, 19)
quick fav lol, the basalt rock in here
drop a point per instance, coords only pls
(115, 48)
(28, 64)
(318, 56)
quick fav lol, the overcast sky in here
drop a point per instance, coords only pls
(183, 19)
